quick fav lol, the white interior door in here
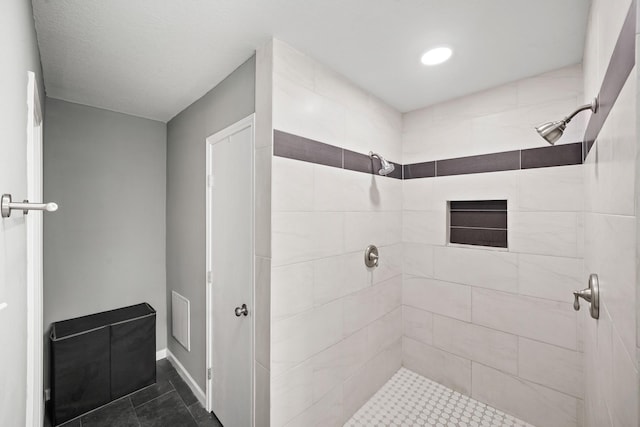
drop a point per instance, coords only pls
(33, 222)
(230, 261)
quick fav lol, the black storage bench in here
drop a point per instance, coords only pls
(98, 358)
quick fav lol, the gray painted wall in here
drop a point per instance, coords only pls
(105, 247)
(230, 101)
(20, 54)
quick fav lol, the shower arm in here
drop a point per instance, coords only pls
(593, 107)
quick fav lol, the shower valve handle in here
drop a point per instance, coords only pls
(585, 294)
(590, 295)
(371, 256)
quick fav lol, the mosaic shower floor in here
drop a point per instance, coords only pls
(409, 399)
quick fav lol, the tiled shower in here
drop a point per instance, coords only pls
(494, 324)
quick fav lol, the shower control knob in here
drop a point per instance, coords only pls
(371, 256)
(590, 295)
(242, 310)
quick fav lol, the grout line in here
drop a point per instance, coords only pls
(155, 398)
(135, 414)
(485, 327)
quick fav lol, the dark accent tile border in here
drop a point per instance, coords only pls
(505, 161)
(557, 155)
(300, 148)
(307, 150)
(621, 63)
(419, 170)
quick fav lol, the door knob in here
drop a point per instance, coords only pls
(242, 310)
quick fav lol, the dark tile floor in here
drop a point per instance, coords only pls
(167, 403)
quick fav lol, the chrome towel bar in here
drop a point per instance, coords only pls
(7, 206)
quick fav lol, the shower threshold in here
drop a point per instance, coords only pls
(409, 399)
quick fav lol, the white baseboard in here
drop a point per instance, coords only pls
(161, 354)
(200, 395)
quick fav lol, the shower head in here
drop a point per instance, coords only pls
(386, 168)
(552, 131)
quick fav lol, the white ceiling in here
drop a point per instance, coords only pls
(152, 58)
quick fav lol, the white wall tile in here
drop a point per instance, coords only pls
(418, 260)
(480, 344)
(548, 321)
(304, 236)
(501, 98)
(427, 144)
(291, 289)
(533, 403)
(291, 194)
(417, 324)
(367, 380)
(484, 268)
(544, 233)
(550, 277)
(329, 366)
(482, 186)
(263, 197)
(365, 132)
(514, 129)
(363, 307)
(327, 189)
(356, 351)
(448, 299)
(626, 382)
(365, 228)
(445, 368)
(417, 195)
(291, 393)
(262, 310)
(389, 263)
(551, 366)
(609, 172)
(610, 245)
(262, 396)
(332, 85)
(558, 84)
(337, 276)
(303, 112)
(551, 189)
(293, 65)
(327, 412)
(297, 338)
(385, 331)
(365, 192)
(424, 227)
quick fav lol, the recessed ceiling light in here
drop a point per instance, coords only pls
(436, 56)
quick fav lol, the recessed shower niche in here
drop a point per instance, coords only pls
(478, 223)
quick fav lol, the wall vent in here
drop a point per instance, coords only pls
(478, 223)
(181, 319)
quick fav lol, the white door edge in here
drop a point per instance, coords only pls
(240, 125)
(34, 380)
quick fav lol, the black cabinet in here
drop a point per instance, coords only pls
(98, 358)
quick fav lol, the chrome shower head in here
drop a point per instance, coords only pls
(386, 168)
(552, 131)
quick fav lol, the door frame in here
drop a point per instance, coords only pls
(247, 122)
(33, 222)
